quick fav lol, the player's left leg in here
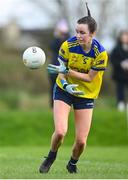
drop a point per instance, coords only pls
(83, 119)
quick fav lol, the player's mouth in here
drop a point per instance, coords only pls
(80, 40)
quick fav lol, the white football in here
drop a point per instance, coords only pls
(34, 57)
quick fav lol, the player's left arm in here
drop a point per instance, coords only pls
(99, 64)
(82, 76)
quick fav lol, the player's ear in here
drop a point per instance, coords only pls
(92, 34)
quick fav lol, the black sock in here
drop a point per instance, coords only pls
(52, 154)
(73, 161)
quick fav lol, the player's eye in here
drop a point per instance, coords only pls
(80, 32)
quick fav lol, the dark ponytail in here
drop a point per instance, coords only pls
(88, 10)
(92, 25)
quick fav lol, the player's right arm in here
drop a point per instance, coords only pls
(63, 61)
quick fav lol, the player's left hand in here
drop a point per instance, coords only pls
(70, 88)
(53, 69)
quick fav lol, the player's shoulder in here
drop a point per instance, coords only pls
(99, 49)
(97, 45)
(72, 39)
(70, 43)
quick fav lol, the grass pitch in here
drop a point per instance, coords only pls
(98, 162)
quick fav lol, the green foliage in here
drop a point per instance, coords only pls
(35, 128)
(14, 75)
(30, 128)
(109, 127)
(8, 99)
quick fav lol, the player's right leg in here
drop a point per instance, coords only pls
(61, 112)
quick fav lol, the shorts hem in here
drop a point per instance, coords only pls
(77, 108)
(63, 101)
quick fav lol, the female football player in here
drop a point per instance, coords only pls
(82, 63)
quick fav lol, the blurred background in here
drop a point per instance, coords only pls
(26, 118)
(25, 94)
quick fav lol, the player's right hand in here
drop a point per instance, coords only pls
(53, 69)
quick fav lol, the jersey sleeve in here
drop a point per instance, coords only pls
(64, 52)
(100, 62)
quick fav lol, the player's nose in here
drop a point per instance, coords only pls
(78, 35)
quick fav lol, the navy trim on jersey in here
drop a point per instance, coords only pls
(98, 69)
(98, 45)
(72, 39)
(76, 48)
(64, 60)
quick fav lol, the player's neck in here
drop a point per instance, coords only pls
(87, 47)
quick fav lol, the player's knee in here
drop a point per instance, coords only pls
(81, 143)
(60, 134)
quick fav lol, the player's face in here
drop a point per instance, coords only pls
(83, 35)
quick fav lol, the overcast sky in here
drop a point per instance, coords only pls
(27, 14)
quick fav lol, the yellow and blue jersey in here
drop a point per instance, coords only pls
(77, 59)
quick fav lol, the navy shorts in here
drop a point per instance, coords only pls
(77, 102)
